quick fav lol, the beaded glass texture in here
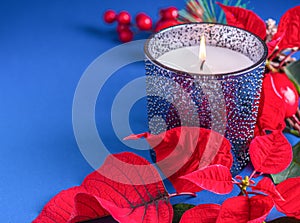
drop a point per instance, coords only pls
(224, 102)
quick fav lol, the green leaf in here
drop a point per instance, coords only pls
(293, 170)
(293, 72)
(179, 209)
(284, 220)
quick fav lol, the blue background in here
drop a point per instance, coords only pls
(45, 46)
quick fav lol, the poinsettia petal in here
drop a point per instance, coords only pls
(159, 211)
(245, 209)
(270, 153)
(271, 113)
(244, 18)
(290, 191)
(60, 207)
(182, 150)
(136, 136)
(87, 207)
(214, 178)
(260, 207)
(273, 44)
(267, 186)
(131, 189)
(289, 26)
(204, 213)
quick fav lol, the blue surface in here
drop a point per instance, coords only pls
(45, 46)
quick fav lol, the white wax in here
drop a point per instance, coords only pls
(218, 60)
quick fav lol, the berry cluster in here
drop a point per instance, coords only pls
(168, 17)
(143, 22)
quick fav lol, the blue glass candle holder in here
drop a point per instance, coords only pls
(225, 102)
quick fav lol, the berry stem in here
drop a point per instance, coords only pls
(295, 119)
(274, 53)
(293, 50)
(252, 174)
(234, 181)
(246, 193)
(270, 66)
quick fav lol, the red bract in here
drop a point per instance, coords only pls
(60, 207)
(273, 43)
(270, 153)
(290, 191)
(266, 186)
(214, 178)
(244, 18)
(288, 33)
(243, 209)
(272, 109)
(182, 150)
(127, 187)
(289, 26)
(86, 207)
(204, 213)
(130, 188)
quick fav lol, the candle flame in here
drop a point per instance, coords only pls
(202, 50)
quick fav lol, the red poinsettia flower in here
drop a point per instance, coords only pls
(183, 150)
(120, 188)
(269, 154)
(128, 189)
(251, 209)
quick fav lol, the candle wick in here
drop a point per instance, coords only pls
(202, 65)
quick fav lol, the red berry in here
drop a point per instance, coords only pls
(110, 16)
(121, 27)
(169, 13)
(125, 35)
(143, 21)
(124, 17)
(162, 13)
(162, 24)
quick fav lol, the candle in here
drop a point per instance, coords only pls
(218, 60)
(222, 96)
